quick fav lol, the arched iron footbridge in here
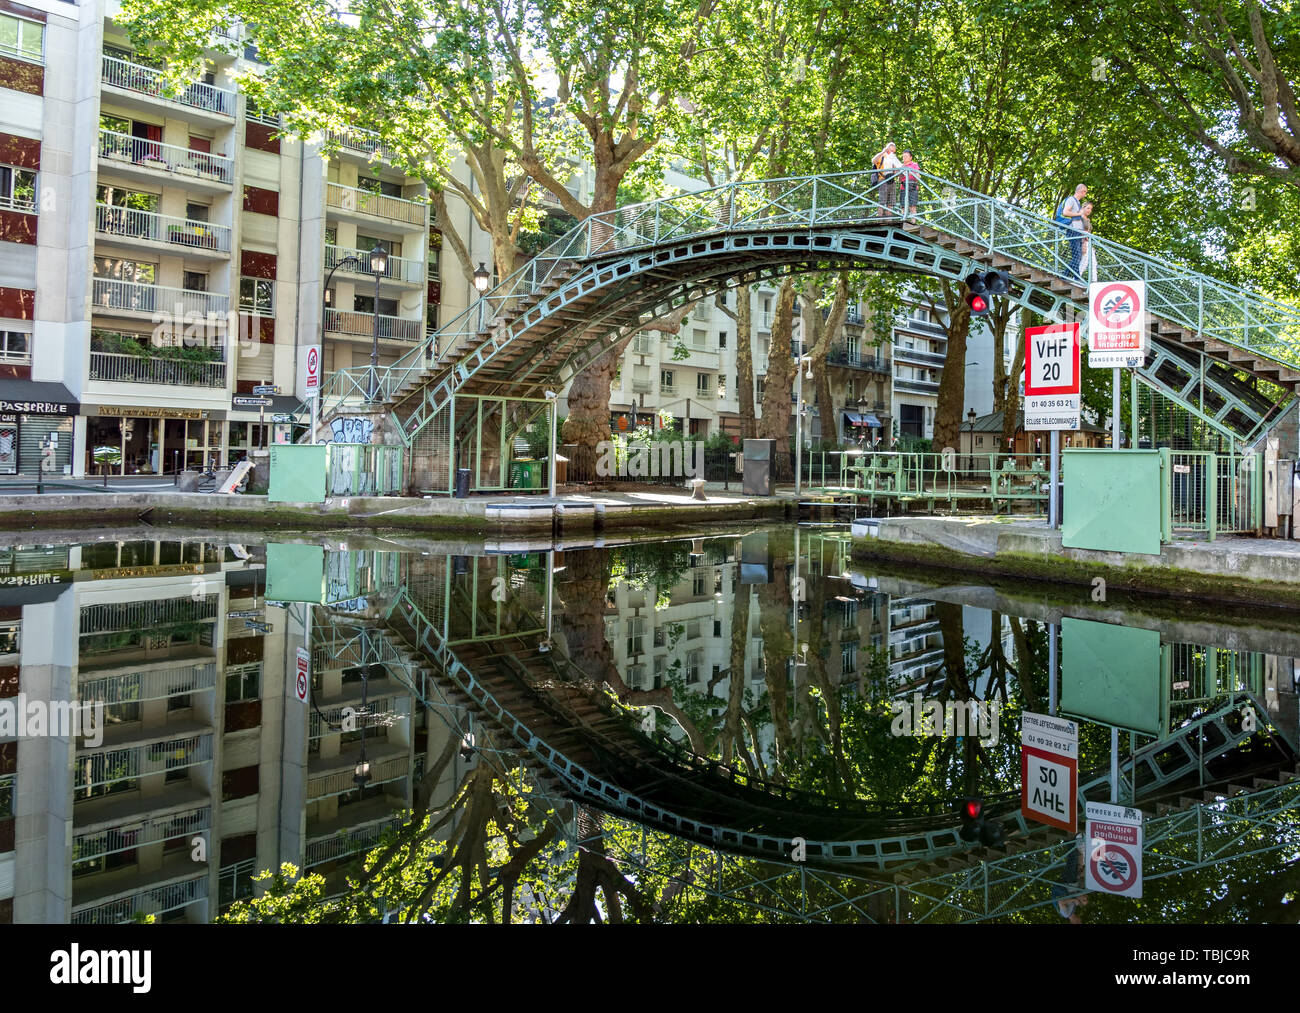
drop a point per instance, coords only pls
(1228, 356)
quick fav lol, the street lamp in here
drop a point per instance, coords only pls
(348, 261)
(798, 439)
(970, 440)
(481, 278)
(378, 267)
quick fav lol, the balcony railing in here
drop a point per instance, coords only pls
(156, 901)
(668, 389)
(340, 782)
(113, 617)
(917, 386)
(130, 223)
(148, 81)
(839, 355)
(23, 204)
(397, 268)
(918, 355)
(642, 386)
(113, 765)
(706, 395)
(134, 297)
(165, 157)
(158, 684)
(327, 849)
(356, 139)
(363, 325)
(367, 202)
(98, 843)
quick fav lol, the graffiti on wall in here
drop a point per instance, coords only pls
(352, 430)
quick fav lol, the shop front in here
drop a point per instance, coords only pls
(136, 440)
(257, 421)
(36, 428)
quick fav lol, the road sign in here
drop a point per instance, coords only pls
(1117, 325)
(266, 388)
(282, 417)
(311, 370)
(1052, 379)
(1114, 845)
(257, 626)
(1049, 770)
(302, 678)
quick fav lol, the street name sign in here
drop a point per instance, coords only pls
(1052, 377)
(1049, 770)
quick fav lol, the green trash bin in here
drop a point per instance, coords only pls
(525, 474)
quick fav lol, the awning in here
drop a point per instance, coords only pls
(872, 421)
(862, 419)
(35, 397)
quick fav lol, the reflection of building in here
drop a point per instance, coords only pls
(915, 642)
(209, 769)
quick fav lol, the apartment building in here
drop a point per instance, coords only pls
(163, 254)
(208, 769)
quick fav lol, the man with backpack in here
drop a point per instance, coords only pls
(1069, 216)
(886, 165)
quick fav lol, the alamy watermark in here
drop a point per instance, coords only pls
(955, 718)
(667, 459)
(29, 719)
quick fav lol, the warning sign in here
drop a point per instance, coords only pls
(1114, 842)
(1049, 770)
(1052, 380)
(1117, 325)
(302, 675)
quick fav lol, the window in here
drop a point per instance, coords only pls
(126, 270)
(666, 379)
(17, 188)
(9, 636)
(243, 682)
(24, 39)
(761, 385)
(257, 295)
(238, 783)
(380, 186)
(194, 281)
(693, 629)
(635, 636)
(722, 386)
(6, 795)
(848, 659)
(236, 881)
(15, 346)
(717, 627)
(697, 338)
(703, 383)
(435, 255)
(196, 212)
(722, 339)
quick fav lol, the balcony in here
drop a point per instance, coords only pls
(841, 355)
(141, 686)
(154, 829)
(354, 201)
(929, 387)
(148, 160)
(129, 297)
(709, 394)
(919, 356)
(342, 845)
(108, 767)
(383, 770)
(362, 325)
(354, 141)
(149, 227)
(668, 389)
(158, 900)
(643, 386)
(398, 268)
(146, 81)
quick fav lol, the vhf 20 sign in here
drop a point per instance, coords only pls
(1117, 325)
(1052, 391)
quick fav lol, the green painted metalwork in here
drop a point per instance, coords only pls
(1112, 500)
(295, 573)
(297, 473)
(1112, 675)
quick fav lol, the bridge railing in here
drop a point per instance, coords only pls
(1178, 294)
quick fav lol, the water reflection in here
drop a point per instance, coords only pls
(750, 682)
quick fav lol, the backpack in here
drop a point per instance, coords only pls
(875, 169)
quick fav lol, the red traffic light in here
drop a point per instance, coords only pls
(973, 808)
(978, 304)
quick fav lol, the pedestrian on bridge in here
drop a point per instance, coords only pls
(911, 173)
(887, 165)
(1068, 212)
(1088, 262)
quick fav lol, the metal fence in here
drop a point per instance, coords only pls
(1212, 494)
(365, 469)
(899, 475)
(157, 901)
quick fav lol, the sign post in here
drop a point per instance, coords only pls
(311, 383)
(1117, 335)
(302, 675)
(1049, 770)
(1052, 394)
(1114, 842)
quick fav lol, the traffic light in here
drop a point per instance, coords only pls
(981, 286)
(974, 827)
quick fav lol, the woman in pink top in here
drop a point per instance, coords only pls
(911, 174)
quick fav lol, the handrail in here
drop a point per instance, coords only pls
(1179, 295)
(165, 157)
(133, 223)
(150, 81)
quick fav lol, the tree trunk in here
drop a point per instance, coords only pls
(745, 361)
(826, 334)
(775, 423)
(952, 385)
(587, 423)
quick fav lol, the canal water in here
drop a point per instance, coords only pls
(755, 726)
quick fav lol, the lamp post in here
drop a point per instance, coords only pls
(481, 279)
(351, 261)
(970, 440)
(798, 439)
(361, 773)
(378, 267)
(554, 399)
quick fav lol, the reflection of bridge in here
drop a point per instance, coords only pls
(1229, 358)
(486, 648)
